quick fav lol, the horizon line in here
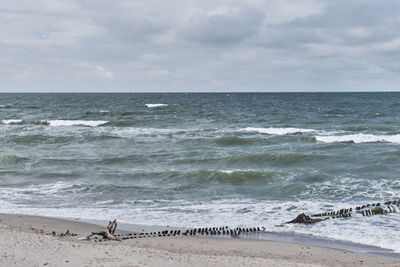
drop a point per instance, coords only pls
(188, 92)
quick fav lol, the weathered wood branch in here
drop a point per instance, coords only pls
(108, 233)
(302, 218)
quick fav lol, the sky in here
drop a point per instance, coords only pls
(199, 45)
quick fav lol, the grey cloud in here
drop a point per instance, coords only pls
(154, 45)
(226, 27)
(355, 28)
(353, 22)
(355, 13)
(126, 22)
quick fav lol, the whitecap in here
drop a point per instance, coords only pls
(75, 122)
(232, 171)
(156, 105)
(138, 131)
(359, 138)
(11, 121)
(277, 131)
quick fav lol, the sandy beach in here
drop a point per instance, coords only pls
(28, 241)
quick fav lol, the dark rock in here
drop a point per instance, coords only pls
(302, 218)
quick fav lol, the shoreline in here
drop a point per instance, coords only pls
(27, 240)
(284, 237)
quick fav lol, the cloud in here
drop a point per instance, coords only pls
(126, 20)
(103, 72)
(224, 25)
(44, 23)
(220, 45)
(153, 57)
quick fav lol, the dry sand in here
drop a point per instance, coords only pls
(24, 241)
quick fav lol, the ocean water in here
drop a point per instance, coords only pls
(237, 159)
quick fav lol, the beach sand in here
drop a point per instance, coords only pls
(27, 241)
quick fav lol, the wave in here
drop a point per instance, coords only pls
(13, 121)
(355, 128)
(13, 159)
(284, 158)
(102, 112)
(56, 122)
(232, 177)
(231, 140)
(359, 138)
(75, 122)
(133, 158)
(5, 106)
(277, 131)
(37, 138)
(127, 132)
(359, 128)
(156, 105)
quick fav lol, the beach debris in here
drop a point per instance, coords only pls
(108, 234)
(302, 218)
(67, 233)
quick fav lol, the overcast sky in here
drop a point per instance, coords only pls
(199, 45)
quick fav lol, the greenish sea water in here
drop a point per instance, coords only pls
(237, 159)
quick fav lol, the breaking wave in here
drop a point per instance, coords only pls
(11, 121)
(359, 138)
(156, 105)
(75, 122)
(277, 131)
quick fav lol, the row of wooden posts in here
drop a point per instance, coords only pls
(364, 210)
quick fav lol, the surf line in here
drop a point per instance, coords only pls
(364, 210)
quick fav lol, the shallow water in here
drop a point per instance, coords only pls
(205, 159)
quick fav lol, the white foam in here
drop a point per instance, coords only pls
(156, 105)
(228, 172)
(359, 138)
(11, 121)
(277, 131)
(232, 171)
(138, 131)
(75, 122)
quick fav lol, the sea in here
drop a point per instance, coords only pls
(205, 159)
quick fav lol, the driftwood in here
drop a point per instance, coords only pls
(108, 234)
(302, 218)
